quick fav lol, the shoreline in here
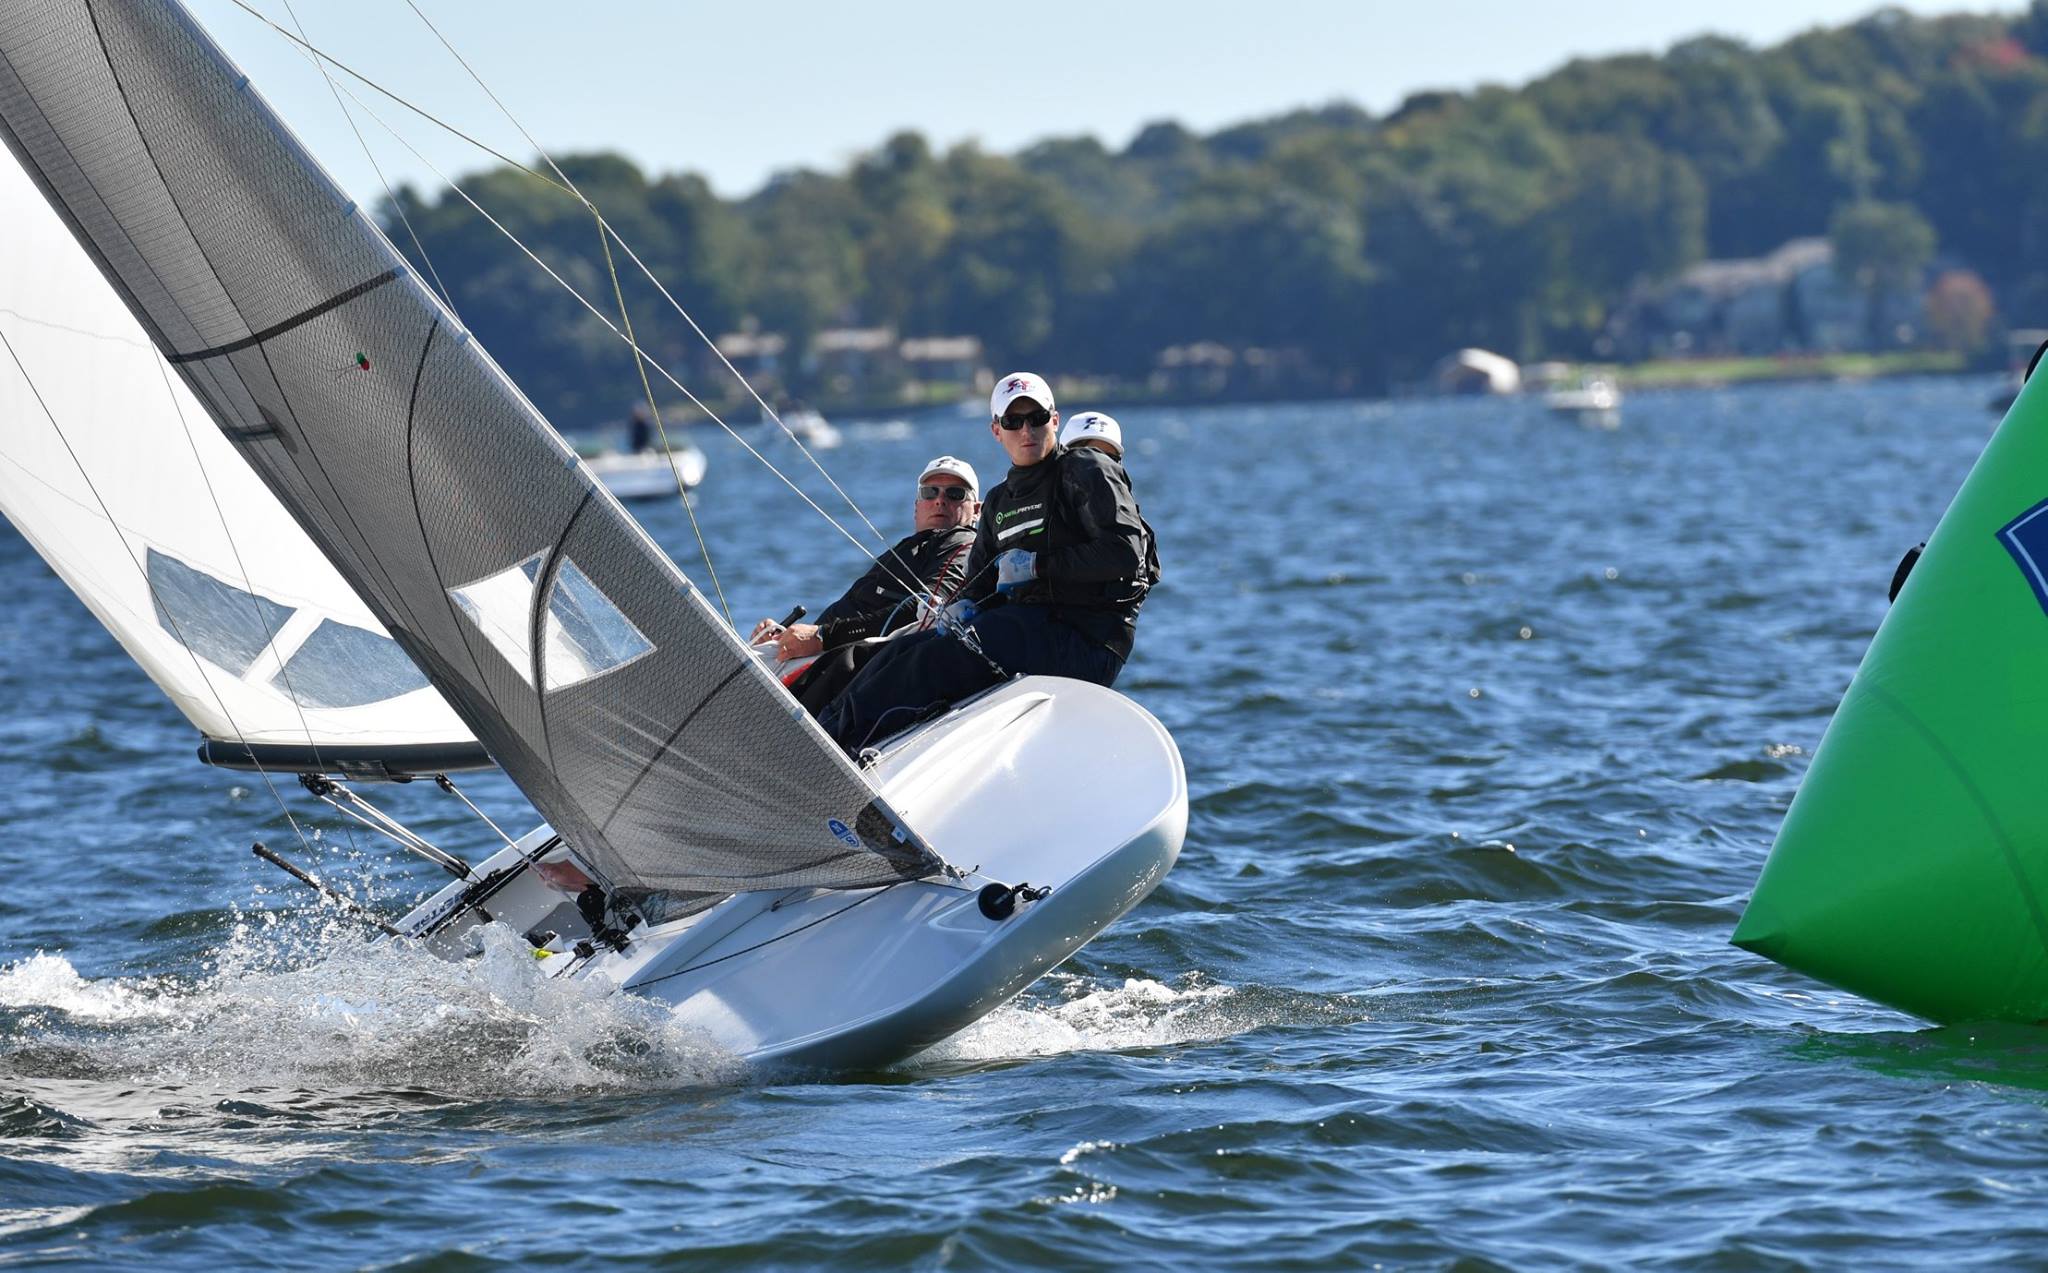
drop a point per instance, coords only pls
(1666, 374)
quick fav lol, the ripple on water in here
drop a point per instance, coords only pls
(1354, 1026)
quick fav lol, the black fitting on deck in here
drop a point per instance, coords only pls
(999, 901)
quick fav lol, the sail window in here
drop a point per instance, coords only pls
(214, 619)
(586, 634)
(345, 666)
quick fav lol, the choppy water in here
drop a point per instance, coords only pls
(1488, 723)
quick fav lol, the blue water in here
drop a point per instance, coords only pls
(1488, 722)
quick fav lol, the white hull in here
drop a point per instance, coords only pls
(1595, 404)
(1052, 782)
(813, 430)
(647, 474)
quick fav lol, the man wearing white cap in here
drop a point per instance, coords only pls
(1096, 430)
(1060, 565)
(1094, 437)
(927, 565)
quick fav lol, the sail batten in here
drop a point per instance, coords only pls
(592, 669)
(285, 325)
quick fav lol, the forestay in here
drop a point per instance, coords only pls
(582, 658)
(124, 486)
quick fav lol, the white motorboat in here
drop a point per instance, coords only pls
(411, 571)
(809, 426)
(649, 474)
(1594, 402)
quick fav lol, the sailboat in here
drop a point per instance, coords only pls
(704, 843)
(648, 474)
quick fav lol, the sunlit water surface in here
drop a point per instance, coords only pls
(1488, 723)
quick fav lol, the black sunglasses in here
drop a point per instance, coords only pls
(951, 494)
(1036, 419)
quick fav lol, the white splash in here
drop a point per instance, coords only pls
(1141, 1013)
(326, 1008)
(49, 981)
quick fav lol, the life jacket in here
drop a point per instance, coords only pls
(1063, 530)
(1030, 510)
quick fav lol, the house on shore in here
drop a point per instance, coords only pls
(1791, 300)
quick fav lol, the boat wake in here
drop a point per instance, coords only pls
(1071, 1013)
(317, 1007)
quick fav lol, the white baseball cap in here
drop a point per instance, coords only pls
(1093, 424)
(954, 467)
(1019, 384)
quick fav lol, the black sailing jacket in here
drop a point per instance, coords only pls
(936, 560)
(1096, 556)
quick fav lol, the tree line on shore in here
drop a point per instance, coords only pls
(1363, 247)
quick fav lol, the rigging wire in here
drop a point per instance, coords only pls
(354, 74)
(447, 784)
(129, 550)
(562, 182)
(446, 298)
(606, 228)
(612, 327)
(625, 316)
(647, 390)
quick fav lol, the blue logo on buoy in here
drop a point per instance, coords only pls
(2026, 538)
(844, 832)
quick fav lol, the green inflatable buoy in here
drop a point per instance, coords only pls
(1912, 868)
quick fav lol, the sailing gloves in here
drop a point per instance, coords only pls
(1014, 569)
(955, 618)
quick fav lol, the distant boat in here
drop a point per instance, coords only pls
(647, 474)
(807, 426)
(1594, 402)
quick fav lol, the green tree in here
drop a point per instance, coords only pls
(1629, 213)
(1883, 247)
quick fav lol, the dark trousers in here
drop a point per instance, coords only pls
(917, 675)
(830, 673)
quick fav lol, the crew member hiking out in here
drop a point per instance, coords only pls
(933, 558)
(1060, 565)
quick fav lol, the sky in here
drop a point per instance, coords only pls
(739, 92)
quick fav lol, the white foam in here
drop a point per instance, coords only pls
(324, 1007)
(49, 981)
(1077, 1017)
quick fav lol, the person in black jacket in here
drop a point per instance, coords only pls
(1060, 565)
(933, 559)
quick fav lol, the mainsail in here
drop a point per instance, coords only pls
(592, 670)
(124, 486)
